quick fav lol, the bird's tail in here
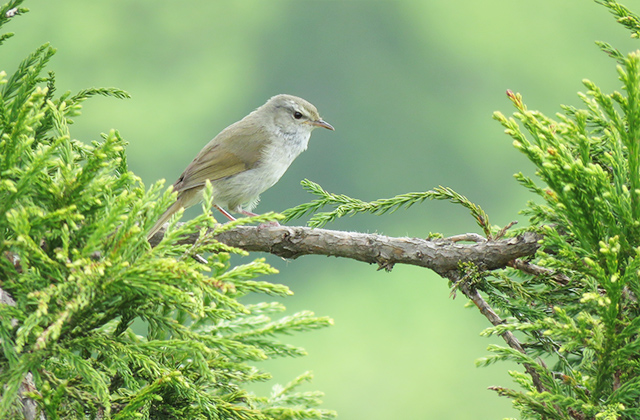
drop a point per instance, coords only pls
(177, 205)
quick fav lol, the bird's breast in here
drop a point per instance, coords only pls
(248, 185)
(284, 149)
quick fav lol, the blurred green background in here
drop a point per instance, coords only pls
(410, 87)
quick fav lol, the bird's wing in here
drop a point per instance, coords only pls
(234, 150)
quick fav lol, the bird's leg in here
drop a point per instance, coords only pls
(199, 258)
(226, 213)
(248, 213)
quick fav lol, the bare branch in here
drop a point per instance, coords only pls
(439, 255)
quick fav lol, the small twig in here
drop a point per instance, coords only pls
(464, 237)
(536, 270)
(29, 406)
(504, 230)
(488, 312)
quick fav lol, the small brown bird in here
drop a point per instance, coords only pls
(248, 157)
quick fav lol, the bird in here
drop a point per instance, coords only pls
(247, 158)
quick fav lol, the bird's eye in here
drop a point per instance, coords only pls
(297, 115)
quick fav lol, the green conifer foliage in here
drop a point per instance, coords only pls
(79, 274)
(581, 325)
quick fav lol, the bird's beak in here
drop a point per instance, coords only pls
(322, 123)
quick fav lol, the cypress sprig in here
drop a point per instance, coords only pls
(291, 403)
(623, 15)
(347, 206)
(482, 218)
(611, 51)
